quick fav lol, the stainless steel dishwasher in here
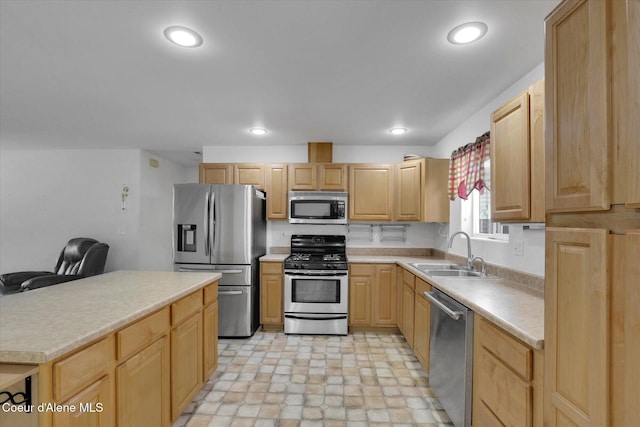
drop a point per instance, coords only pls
(451, 356)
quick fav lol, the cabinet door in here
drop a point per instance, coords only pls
(371, 192)
(577, 142)
(384, 295)
(399, 290)
(625, 345)
(302, 177)
(510, 160)
(94, 407)
(576, 321)
(249, 174)
(142, 387)
(633, 61)
(216, 173)
(276, 187)
(332, 177)
(360, 301)
(186, 363)
(209, 340)
(408, 298)
(435, 204)
(271, 293)
(422, 323)
(409, 190)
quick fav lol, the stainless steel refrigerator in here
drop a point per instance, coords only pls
(222, 228)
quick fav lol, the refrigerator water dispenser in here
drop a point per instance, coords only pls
(187, 237)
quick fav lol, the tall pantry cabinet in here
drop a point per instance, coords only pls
(592, 321)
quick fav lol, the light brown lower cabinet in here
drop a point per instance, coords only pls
(209, 340)
(186, 363)
(143, 387)
(421, 323)
(408, 301)
(507, 379)
(272, 294)
(94, 401)
(372, 295)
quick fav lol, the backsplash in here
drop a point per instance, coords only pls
(360, 235)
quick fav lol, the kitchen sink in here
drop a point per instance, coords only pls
(459, 273)
(426, 266)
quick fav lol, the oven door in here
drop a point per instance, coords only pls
(316, 292)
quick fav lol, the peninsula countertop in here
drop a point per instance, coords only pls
(513, 307)
(40, 325)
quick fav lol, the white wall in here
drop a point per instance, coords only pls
(50, 196)
(156, 210)
(495, 252)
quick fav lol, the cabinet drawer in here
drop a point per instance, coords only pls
(507, 395)
(142, 333)
(510, 351)
(271, 268)
(210, 293)
(185, 307)
(361, 269)
(422, 287)
(82, 369)
(409, 279)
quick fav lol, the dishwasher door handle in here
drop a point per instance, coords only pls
(455, 315)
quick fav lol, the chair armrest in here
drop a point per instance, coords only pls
(44, 281)
(14, 280)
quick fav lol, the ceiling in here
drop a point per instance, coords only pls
(100, 74)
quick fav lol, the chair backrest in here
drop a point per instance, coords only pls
(82, 256)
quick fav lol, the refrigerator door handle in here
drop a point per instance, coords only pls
(206, 224)
(230, 293)
(213, 222)
(210, 271)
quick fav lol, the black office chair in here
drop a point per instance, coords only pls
(81, 257)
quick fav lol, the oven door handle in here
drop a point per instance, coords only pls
(319, 273)
(293, 316)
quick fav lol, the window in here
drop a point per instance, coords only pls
(481, 212)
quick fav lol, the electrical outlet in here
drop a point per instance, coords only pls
(518, 248)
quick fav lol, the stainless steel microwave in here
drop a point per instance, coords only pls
(317, 207)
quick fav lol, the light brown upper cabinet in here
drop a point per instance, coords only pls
(591, 106)
(517, 158)
(332, 177)
(421, 190)
(216, 173)
(276, 188)
(371, 192)
(233, 173)
(318, 176)
(249, 174)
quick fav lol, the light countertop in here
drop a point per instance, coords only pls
(513, 307)
(40, 325)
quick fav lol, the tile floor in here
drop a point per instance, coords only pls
(272, 379)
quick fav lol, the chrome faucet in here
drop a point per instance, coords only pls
(469, 255)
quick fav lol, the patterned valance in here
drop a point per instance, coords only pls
(466, 167)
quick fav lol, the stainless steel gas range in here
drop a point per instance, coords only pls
(316, 285)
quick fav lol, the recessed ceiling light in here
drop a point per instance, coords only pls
(258, 131)
(183, 36)
(397, 131)
(467, 33)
